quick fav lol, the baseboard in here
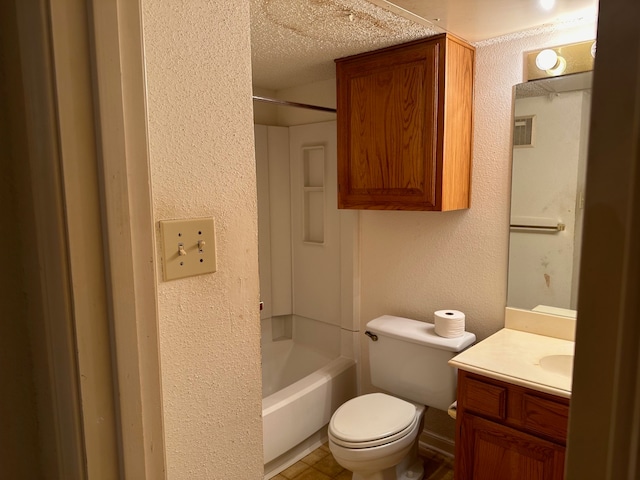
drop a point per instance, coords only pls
(434, 442)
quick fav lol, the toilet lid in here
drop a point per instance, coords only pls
(371, 417)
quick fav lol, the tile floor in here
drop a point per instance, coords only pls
(320, 465)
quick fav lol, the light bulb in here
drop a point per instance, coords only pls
(547, 4)
(546, 59)
(558, 68)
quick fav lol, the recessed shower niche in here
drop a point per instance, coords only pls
(313, 167)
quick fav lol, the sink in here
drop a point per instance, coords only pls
(560, 364)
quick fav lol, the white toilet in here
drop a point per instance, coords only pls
(376, 435)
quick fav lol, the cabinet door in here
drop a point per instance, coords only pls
(490, 451)
(387, 123)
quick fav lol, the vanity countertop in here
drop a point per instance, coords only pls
(515, 356)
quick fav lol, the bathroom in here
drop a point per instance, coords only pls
(208, 327)
(416, 279)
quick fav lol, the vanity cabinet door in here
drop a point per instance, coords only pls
(405, 125)
(490, 451)
(508, 432)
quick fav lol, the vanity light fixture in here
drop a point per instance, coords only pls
(561, 60)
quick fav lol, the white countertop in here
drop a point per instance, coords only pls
(514, 356)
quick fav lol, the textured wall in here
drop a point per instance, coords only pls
(202, 163)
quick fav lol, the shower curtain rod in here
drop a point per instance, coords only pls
(293, 104)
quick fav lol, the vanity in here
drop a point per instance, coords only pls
(514, 390)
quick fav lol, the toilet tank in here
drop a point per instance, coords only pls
(410, 360)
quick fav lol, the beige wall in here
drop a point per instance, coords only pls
(202, 163)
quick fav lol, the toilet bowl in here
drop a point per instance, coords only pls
(375, 436)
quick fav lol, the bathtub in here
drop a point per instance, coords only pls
(304, 381)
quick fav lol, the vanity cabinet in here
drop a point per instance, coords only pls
(405, 126)
(506, 432)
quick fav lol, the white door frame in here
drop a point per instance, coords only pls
(84, 83)
(120, 88)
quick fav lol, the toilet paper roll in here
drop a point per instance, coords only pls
(449, 323)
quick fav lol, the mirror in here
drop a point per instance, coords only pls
(550, 133)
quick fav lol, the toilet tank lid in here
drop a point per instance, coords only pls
(414, 331)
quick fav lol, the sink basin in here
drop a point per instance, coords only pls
(560, 364)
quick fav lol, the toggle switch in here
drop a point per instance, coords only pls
(189, 258)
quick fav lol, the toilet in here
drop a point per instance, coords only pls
(376, 435)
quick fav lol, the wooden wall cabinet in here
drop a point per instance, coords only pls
(506, 432)
(405, 126)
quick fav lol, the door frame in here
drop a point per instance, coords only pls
(125, 180)
(84, 82)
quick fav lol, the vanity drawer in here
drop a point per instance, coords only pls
(485, 399)
(529, 411)
(545, 417)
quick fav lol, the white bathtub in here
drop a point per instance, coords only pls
(303, 384)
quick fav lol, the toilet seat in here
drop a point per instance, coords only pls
(372, 420)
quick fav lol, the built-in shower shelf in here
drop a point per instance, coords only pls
(313, 169)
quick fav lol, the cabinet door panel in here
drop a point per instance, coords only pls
(494, 452)
(393, 100)
(387, 110)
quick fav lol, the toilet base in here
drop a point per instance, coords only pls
(410, 468)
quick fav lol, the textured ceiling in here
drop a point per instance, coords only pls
(294, 42)
(478, 20)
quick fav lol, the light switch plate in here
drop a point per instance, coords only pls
(188, 247)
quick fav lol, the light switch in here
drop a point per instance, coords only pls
(188, 247)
